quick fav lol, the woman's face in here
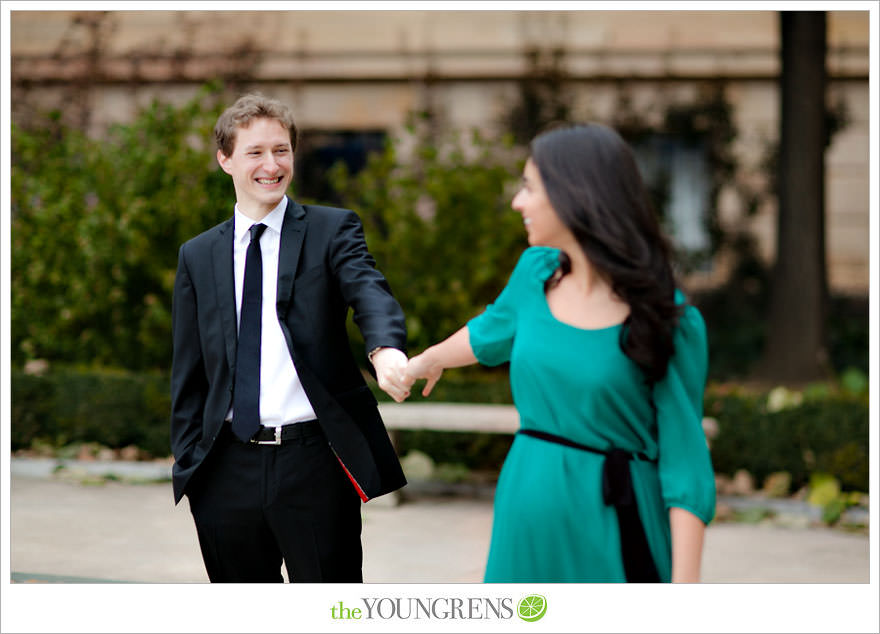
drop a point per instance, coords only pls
(543, 226)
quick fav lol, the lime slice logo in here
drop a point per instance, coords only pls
(532, 607)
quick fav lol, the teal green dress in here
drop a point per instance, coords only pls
(550, 522)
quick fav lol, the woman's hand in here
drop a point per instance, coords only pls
(421, 366)
(453, 352)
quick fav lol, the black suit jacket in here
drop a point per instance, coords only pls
(324, 268)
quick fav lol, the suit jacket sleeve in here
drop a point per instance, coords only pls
(377, 314)
(189, 384)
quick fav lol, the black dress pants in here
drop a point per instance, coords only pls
(255, 506)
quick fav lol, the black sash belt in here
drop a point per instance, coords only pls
(617, 490)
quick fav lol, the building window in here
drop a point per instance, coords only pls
(319, 150)
(677, 174)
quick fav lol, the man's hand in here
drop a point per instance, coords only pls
(390, 365)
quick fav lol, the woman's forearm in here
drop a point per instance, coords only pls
(454, 351)
(687, 545)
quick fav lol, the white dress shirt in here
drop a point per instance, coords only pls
(282, 398)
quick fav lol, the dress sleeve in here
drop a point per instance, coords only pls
(492, 332)
(686, 475)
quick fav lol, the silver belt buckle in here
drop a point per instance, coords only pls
(274, 441)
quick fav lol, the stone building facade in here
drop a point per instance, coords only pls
(366, 71)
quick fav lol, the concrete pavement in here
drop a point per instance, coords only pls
(66, 531)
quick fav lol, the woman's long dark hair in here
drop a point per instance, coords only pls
(594, 185)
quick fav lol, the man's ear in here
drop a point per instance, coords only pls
(223, 160)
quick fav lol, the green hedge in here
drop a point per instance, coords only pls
(113, 408)
(823, 429)
(825, 434)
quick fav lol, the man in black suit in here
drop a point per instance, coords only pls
(276, 437)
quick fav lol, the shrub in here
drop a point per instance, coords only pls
(96, 225)
(828, 435)
(113, 408)
(440, 226)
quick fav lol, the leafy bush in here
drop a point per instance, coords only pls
(440, 226)
(115, 409)
(96, 225)
(828, 434)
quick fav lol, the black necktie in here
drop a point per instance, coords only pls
(246, 394)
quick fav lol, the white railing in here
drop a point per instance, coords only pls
(499, 419)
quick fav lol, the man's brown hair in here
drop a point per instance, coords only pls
(243, 112)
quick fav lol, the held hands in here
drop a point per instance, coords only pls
(396, 376)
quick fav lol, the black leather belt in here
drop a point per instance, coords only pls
(617, 490)
(286, 433)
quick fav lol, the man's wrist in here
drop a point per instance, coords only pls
(373, 352)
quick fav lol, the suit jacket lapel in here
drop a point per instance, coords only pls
(293, 231)
(224, 278)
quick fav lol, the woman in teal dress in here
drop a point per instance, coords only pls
(609, 478)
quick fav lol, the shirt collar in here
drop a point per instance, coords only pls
(273, 220)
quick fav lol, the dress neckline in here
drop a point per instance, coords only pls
(546, 306)
(550, 264)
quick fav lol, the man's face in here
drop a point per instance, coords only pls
(261, 166)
